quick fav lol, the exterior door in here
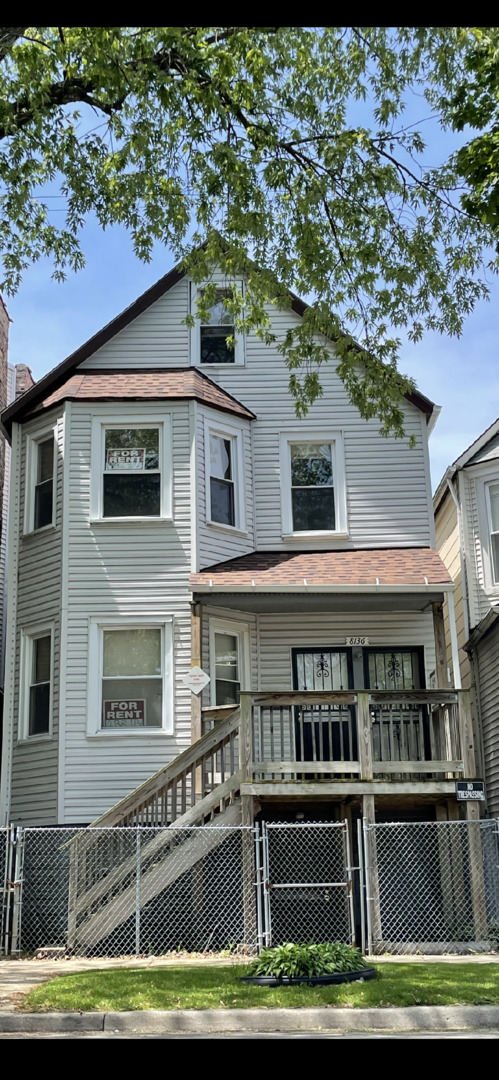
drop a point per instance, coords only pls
(324, 732)
(400, 732)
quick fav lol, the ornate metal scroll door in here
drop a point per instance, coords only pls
(324, 732)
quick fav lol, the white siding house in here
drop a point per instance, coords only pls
(184, 500)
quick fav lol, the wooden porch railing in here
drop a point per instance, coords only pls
(356, 734)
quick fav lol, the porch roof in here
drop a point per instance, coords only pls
(391, 570)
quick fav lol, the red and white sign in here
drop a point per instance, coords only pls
(196, 680)
(124, 714)
(126, 459)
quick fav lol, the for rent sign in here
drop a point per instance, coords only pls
(125, 714)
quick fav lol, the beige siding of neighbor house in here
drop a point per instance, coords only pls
(448, 547)
(487, 663)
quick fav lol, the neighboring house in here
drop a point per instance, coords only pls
(13, 382)
(466, 505)
(168, 512)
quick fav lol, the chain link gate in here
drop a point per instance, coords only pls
(319, 905)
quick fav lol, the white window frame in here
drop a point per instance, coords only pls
(32, 444)
(494, 584)
(235, 435)
(101, 424)
(97, 626)
(28, 638)
(195, 333)
(335, 440)
(241, 632)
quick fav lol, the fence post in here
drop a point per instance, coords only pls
(138, 882)
(373, 898)
(18, 887)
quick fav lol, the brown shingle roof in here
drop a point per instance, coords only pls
(164, 384)
(380, 566)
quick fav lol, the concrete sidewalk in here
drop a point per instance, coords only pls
(17, 977)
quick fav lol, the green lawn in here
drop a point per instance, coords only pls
(219, 988)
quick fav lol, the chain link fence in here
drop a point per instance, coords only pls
(136, 891)
(420, 887)
(432, 887)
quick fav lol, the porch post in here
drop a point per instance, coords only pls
(440, 647)
(247, 820)
(196, 714)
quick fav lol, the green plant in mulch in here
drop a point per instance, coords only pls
(290, 961)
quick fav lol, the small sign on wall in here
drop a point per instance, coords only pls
(196, 680)
(470, 791)
(362, 640)
(125, 714)
(126, 459)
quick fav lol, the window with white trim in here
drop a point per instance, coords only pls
(313, 484)
(224, 476)
(36, 685)
(215, 340)
(133, 689)
(131, 469)
(493, 516)
(40, 486)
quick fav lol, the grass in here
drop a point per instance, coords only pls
(217, 987)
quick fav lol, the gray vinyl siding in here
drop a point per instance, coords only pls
(216, 544)
(157, 338)
(280, 633)
(487, 653)
(35, 762)
(4, 528)
(130, 570)
(387, 482)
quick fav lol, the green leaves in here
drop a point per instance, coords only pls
(291, 961)
(190, 134)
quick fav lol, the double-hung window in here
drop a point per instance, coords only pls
(215, 338)
(130, 689)
(131, 469)
(224, 475)
(313, 484)
(493, 515)
(217, 334)
(36, 687)
(222, 504)
(40, 485)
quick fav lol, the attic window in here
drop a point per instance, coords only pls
(215, 349)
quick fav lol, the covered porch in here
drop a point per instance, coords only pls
(346, 692)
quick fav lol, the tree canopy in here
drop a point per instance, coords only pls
(277, 152)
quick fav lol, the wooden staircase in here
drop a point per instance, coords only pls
(200, 787)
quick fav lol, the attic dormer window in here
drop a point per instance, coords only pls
(215, 346)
